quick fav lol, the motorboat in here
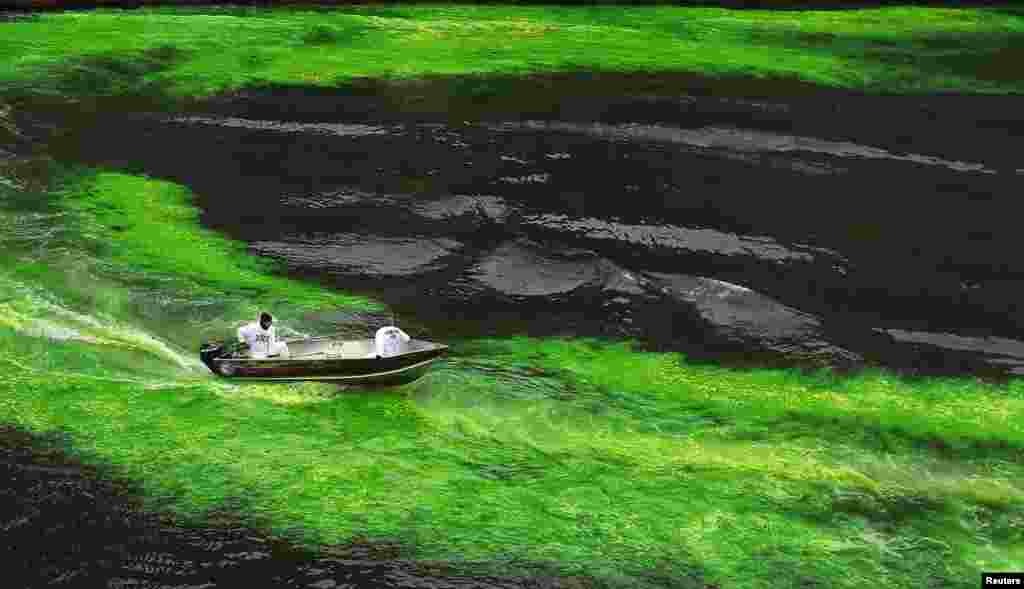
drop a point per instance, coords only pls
(326, 359)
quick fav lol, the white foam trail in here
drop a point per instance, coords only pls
(35, 314)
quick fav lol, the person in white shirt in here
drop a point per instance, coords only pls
(390, 341)
(262, 338)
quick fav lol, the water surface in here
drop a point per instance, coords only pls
(511, 222)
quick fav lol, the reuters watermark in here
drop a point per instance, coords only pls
(989, 580)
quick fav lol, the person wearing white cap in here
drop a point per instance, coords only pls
(389, 342)
(262, 338)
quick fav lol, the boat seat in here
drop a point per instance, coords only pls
(338, 350)
(352, 350)
(333, 350)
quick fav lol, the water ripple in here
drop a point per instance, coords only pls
(741, 140)
(338, 129)
(1002, 351)
(680, 238)
(381, 256)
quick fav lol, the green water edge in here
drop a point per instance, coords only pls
(590, 455)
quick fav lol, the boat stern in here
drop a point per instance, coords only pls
(209, 352)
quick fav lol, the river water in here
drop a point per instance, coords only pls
(66, 525)
(845, 231)
(841, 231)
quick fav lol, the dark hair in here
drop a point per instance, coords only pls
(264, 316)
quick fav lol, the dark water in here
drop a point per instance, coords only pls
(844, 231)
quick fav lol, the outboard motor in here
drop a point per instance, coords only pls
(210, 351)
